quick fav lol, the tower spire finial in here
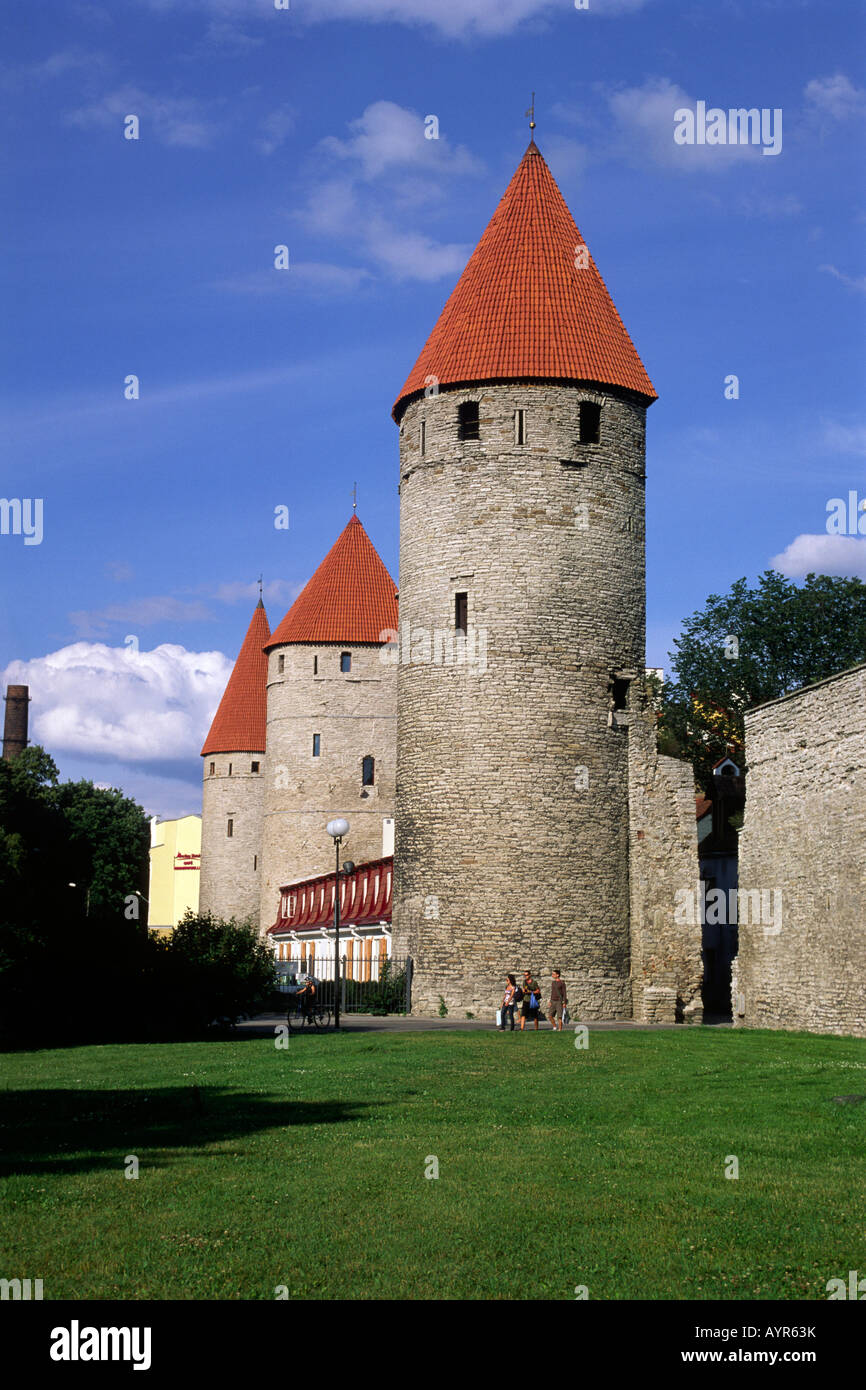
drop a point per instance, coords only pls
(261, 595)
(531, 114)
(354, 498)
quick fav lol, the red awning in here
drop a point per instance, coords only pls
(365, 899)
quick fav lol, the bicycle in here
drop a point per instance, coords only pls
(299, 1018)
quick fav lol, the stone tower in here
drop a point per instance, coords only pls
(15, 723)
(331, 717)
(234, 780)
(522, 434)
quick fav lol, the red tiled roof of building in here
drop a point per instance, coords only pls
(350, 598)
(703, 804)
(522, 309)
(241, 718)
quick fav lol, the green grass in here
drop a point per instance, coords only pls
(304, 1167)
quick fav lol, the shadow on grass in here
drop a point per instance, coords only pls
(68, 1131)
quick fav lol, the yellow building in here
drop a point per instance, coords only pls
(175, 870)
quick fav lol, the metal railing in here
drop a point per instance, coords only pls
(372, 987)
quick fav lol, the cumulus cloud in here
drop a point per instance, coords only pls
(822, 554)
(118, 705)
(835, 97)
(645, 118)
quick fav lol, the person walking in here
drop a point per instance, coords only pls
(508, 1002)
(531, 1006)
(558, 1000)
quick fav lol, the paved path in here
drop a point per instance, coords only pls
(263, 1025)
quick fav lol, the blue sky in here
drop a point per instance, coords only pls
(262, 388)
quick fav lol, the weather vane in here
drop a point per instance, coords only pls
(354, 497)
(261, 577)
(531, 113)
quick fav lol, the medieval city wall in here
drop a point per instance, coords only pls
(802, 963)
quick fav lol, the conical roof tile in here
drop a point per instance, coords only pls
(350, 598)
(241, 718)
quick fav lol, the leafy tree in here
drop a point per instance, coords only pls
(752, 645)
(214, 971)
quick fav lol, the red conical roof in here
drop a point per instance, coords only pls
(240, 721)
(350, 598)
(522, 309)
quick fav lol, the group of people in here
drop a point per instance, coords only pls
(527, 998)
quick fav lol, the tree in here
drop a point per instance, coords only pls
(213, 971)
(752, 645)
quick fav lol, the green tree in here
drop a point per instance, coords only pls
(214, 971)
(752, 645)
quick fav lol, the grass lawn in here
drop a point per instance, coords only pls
(305, 1167)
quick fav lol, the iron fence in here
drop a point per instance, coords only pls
(370, 987)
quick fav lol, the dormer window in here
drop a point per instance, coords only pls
(467, 420)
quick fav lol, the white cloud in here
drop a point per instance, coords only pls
(276, 127)
(452, 18)
(114, 704)
(851, 282)
(836, 97)
(645, 116)
(179, 121)
(822, 554)
(845, 439)
(387, 135)
(142, 612)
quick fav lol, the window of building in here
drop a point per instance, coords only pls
(255, 862)
(461, 612)
(345, 661)
(230, 828)
(520, 426)
(590, 422)
(230, 769)
(467, 420)
(368, 769)
(212, 769)
(315, 665)
(317, 745)
(281, 665)
(423, 436)
(254, 767)
(620, 693)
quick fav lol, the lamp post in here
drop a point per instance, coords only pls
(337, 829)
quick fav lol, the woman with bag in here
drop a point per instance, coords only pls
(531, 1006)
(508, 1002)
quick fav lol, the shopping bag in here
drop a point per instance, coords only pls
(498, 1018)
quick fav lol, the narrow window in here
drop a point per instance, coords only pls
(461, 612)
(230, 828)
(467, 420)
(281, 665)
(254, 767)
(620, 694)
(255, 862)
(212, 769)
(590, 422)
(423, 436)
(315, 665)
(345, 661)
(368, 767)
(317, 744)
(520, 426)
(230, 769)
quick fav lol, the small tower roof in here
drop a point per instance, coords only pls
(350, 598)
(241, 718)
(523, 309)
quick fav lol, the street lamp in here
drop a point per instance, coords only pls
(337, 829)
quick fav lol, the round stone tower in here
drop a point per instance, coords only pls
(234, 780)
(331, 718)
(522, 526)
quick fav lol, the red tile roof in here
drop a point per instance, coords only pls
(522, 309)
(240, 721)
(350, 598)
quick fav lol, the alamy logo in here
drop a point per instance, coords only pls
(856, 1288)
(418, 646)
(22, 516)
(718, 907)
(20, 1289)
(76, 1343)
(846, 518)
(734, 127)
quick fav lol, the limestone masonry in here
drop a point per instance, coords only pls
(802, 957)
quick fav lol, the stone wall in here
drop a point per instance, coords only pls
(512, 785)
(231, 865)
(666, 962)
(354, 713)
(804, 836)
